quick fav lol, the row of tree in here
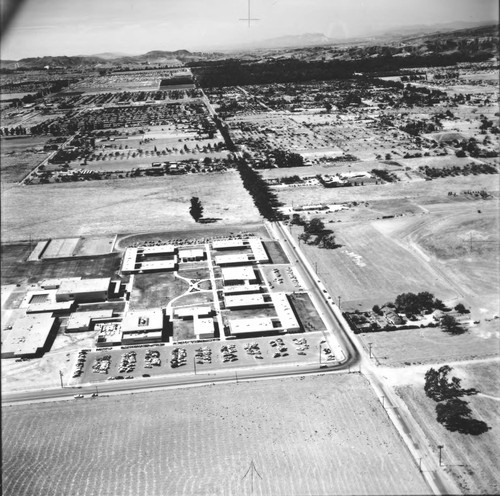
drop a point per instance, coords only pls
(451, 411)
(315, 233)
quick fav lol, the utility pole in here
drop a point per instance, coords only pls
(339, 302)
(253, 471)
(440, 447)
(61, 377)
(194, 363)
(236, 374)
(320, 349)
(370, 345)
(420, 465)
(383, 402)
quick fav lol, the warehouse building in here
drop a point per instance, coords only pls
(31, 336)
(140, 259)
(85, 321)
(253, 300)
(239, 275)
(83, 290)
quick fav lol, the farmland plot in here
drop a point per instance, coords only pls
(315, 435)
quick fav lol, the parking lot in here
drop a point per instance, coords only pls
(201, 357)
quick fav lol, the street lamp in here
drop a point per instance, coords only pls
(440, 447)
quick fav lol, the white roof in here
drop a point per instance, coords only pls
(258, 250)
(254, 299)
(143, 320)
(242, 273)
(284, 311)
(192, 311)
(203, 326)
(28, 334)
(84, 285)
(228, 243)
(231, 259)
(245, 326)
(150, 250)
(242, 288)
(82, 319)
(194, 253)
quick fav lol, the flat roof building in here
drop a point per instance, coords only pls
(82, 321)
(241, 289)
(192, 312)
(143, 320)
(240, 274)
(29, 336)
(192, 255)
(254, 300)
(83, 290)
(259, 325)
(258, 250)
(203, 328)
(227, 244)
(236, 259)
(285, 312)
(136, 259)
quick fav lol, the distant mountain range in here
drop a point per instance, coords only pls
(159, 57)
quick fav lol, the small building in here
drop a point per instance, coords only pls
(108, 334)
(139, 259)
(203, 328)
(188, 313)
(30, 336)
(258, 250)
(229, 244)
(83, 290)
(143, 326)
(236, 259)
(253, 300)
(241, 289)
(193, 255)
(239, 275)
(254, 326)
(285, 312)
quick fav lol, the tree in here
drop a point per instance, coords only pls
(196, 209)
(455, 415)
(328, 242)
(438, 387)
(451, 325)
(460, 308)
(314, 226)
(305, 237)
(377, 310)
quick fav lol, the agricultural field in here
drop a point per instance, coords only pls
(18, 157)
(469, 459)
(309, 442)
(123, 206)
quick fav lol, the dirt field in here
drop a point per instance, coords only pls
(202, 441)
(60, 248)
(430, 345)
(94, 246)
(469, 458)
(122, 206)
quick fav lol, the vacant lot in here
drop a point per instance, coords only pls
(470, 459)
(94, 246)
(414, 346)
(371, 268)
(122, 206)
(314, 435)
(461, 244)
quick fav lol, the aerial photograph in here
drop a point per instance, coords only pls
(250, 247)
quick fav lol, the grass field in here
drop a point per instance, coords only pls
(428, 345)
(306, 311)
(155, 290)
(122, 206)
(470, 459)
(275, 252)
(312, 435)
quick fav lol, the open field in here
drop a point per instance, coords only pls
(202, 441)
(462, 244)
(16, 270)
(275, 252)
(155, 290)
(306, 312)
(420, 191)
(428, 345)
(122, 206)
(60, 248)
(17, 164)
(470, 459)
(371, 268)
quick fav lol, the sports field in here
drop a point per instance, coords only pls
(470, 459)
(331, 436)
(122, 206)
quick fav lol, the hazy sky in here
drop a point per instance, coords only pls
(75, 27)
